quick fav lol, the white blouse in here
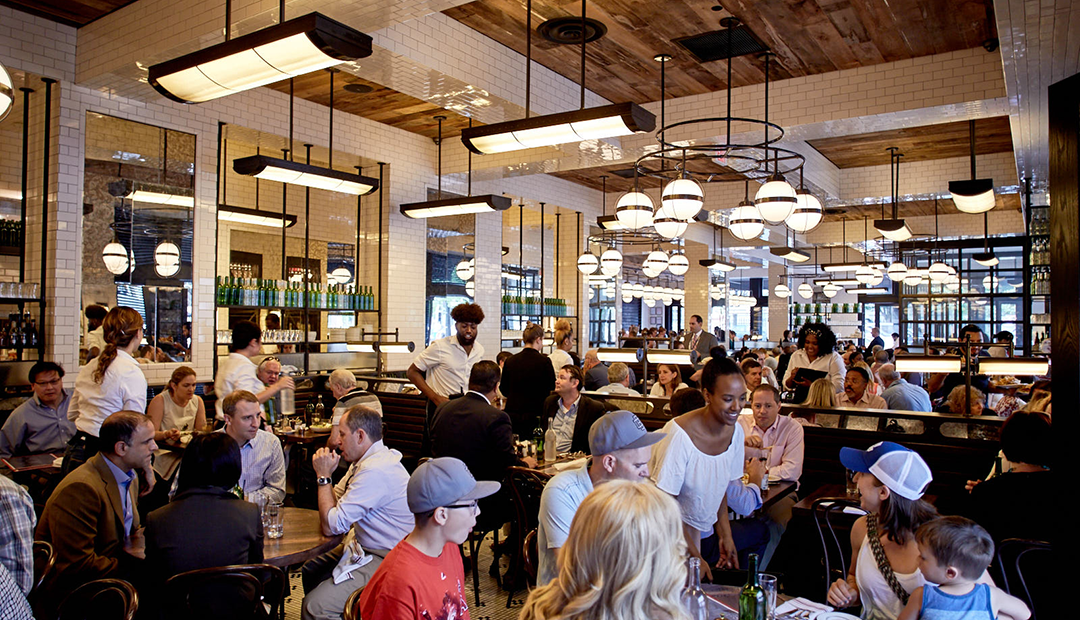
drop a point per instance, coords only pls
(658, 389)
(123, 388)
(697, 480)
(831, 363)
(560, 358)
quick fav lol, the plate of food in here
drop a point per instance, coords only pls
(325, 427)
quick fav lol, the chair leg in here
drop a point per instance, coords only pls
(473, 547)
(495, 559)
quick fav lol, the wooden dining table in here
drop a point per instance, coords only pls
(723, 601)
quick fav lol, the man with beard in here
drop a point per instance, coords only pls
(442, 370)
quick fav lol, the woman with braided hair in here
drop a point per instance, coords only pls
(111, 382)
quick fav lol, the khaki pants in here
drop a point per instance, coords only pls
(326, 601)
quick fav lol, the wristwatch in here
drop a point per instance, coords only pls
(323, 481)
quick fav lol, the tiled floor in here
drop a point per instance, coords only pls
(492, 598)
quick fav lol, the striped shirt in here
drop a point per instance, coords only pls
(17, 520)
(263, 464)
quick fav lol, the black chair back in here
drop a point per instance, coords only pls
(44, 558)
(103, 599)
(835, 553)
(226, 593)
(526, 487)
(1027, 571)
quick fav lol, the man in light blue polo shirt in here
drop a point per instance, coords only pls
(901, 395)
(620, 448)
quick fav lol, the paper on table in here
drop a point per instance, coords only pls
(801, 604)
(851, 510)
(568, 465)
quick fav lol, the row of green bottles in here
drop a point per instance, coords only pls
(526, 305)
(233, 291)
(820, 308)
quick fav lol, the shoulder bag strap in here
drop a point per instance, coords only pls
(883, 562)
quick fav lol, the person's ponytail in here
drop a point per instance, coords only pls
(120, 327)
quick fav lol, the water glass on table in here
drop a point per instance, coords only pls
(273, 516)
(768, 586)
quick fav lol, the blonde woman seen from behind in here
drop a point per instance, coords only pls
(623, 560)
(820, 396)
(564, 343)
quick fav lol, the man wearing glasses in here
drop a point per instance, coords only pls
(40, 424)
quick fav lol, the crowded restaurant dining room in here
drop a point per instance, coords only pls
(537, 309)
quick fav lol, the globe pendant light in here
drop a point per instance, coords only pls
(610, 262)
(878, 276)
(592, 293)
(830, 290)
(166, 254)
(341, 275)
(627, 297)
(897, 271)
(775, 200)
(913, 277)
(807, 212)
(634, 209)
(637, 289)
(649, 272)
(864, 274)
(678, 264)
(7, 92)
(588, 263)
(745, 222)
(939, 272)
(470, 288)
(669, 227)
(464, 271)
(990, 283)
(806, 291)
(116, 258)
(782, 291)
(716, 294)
(656, 261)
(681, 199)
(668, 299)
(167, 271)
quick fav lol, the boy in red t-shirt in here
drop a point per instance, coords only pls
(422, 577)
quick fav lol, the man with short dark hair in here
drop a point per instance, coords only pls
(569, 412)
(92, 512)
(856, 392)
(238, 372)
(941, 384)
(1005, 338)
(263, 474)
(40, 424)
(527, 379)
(369, 503)
(423, 576)
(94, 343)
(877, 340)
(899, 394)
(697, 340)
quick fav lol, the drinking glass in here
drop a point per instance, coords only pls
(851, 487)
(273, 520)
(768, 586)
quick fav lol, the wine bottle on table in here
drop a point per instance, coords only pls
(550, 443)
(693, 597)
(752, 605)
(538, 440)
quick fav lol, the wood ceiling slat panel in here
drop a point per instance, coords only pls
(912, 208)
(70, 12)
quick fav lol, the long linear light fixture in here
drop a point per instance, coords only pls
(791, 254)
(928, 363)
(377, 346)
(841, 267)
(307, 175)
(838, 282)
(669, 356)
(867, 290)
(242, 215)
(161, 198)
(486, 203)
(626, 356)
(276, 53)
(1014, 366)
(617, 119)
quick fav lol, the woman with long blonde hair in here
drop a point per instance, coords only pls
(822, 396)
(111, 382)
(623, 560)
(564, 342)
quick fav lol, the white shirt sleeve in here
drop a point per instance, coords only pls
(429, 357)
(668, 464)
(836, 371)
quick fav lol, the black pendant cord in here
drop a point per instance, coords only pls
(469, 177)
(584, 38)
(603, 193)
(356, 260)
(284, 215)
(971, 136)
(330, 156)
(258, 151)
(528, 55)
(438, 144)
(728, 137)
(307, 264)
(521, 247)
(542, 257)
(382, 184)
(767, 112)
(281, 11)
(46, 143)
(25, 173)
(292, 150)
(228, 20)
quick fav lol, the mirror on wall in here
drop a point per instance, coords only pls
(138, 226)
(451, 268)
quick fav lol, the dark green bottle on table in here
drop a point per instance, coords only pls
(538, 439)
(752, 603)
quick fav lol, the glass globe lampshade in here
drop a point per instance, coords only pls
(167, 271)
(775, 200)
(470, 288)
(668, 300)
(681, 199)
(989, 283)
(649, 271)
(806, 291)
(830, 290)
(716, 295)
(656, 261)
(592, 293)
(588, 263)
(678, 264)
(807, 212)
(649, 301)
(637, 289)
(627, 298)
(897, 271)
(878, 277)
(939, 272)
(610, 262)
(782, 291)
(166, 254)
(464, 271)
(913, 277)
(745, 222)
(116, 258)
(341, 275)
(864, 274)
(634, 210)
(669, 227)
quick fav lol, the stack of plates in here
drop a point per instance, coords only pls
(353, 334)
(336, 335)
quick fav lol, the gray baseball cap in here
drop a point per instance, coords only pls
(443, 482)
(620, 430)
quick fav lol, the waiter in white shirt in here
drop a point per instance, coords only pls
(442, 370)
(238, 372)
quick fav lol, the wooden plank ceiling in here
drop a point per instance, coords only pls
(381, 104)
(69, 12)
(808, 36)
(992, 135)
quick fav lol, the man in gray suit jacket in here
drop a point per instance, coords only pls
(699, 341)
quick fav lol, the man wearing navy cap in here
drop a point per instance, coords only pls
(620, 448)
(422, 577)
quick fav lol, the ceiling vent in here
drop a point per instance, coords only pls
(714, 45)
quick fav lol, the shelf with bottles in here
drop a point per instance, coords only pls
(1039, 282)
(515, 305)
(1040, 252)
(1040, 221)
(826, 309)
(18, 335)
(11, 237)
(233, 292)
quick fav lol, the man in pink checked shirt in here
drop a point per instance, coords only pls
(779, 439)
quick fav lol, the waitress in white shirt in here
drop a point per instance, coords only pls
(564, 342)
(817, 351)
(111, 382)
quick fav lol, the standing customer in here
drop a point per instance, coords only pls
(441, 371)
(699, 341)
(423, 577)
(111, 382)
(884, 567)
(527, 379)
(41, 423)
(237, 372)
(817, 344)
(624, 558)
(564, 343)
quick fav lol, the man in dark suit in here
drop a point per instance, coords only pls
(92, 512)
(527, 379)
(698, 341)
(570, 414)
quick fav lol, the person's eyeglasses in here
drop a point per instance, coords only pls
(271, 358)
(472, 505)
(47, 383)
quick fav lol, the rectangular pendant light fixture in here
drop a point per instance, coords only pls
(376, 346)
(240, 215)
(717, 263)
(840, 267)
(790, 254)
(486, 203)
(869, 290)
(307, 175)
(838, 282)
(669, 356)
(609, 121)
(894, 230)
(626, 356)
(928, 363)
(1022, 366)
(173, 200)
(609, 222)
(275, 53)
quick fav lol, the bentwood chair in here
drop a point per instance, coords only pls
(226, 593)
(352, 606)
(1027, 570)
(103, 599)
(530, 555)
(526, 486)
(44, 558)
(835, 554)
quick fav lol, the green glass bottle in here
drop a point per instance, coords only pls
(752, 603)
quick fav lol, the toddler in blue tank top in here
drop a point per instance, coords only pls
(954, 553)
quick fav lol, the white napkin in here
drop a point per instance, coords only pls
(801, 604)
(352, 559)
(574, 463)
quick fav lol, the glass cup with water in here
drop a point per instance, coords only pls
(768, 586)
(273, 519)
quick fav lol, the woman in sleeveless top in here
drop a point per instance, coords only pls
(177, 408)
(884, 555)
